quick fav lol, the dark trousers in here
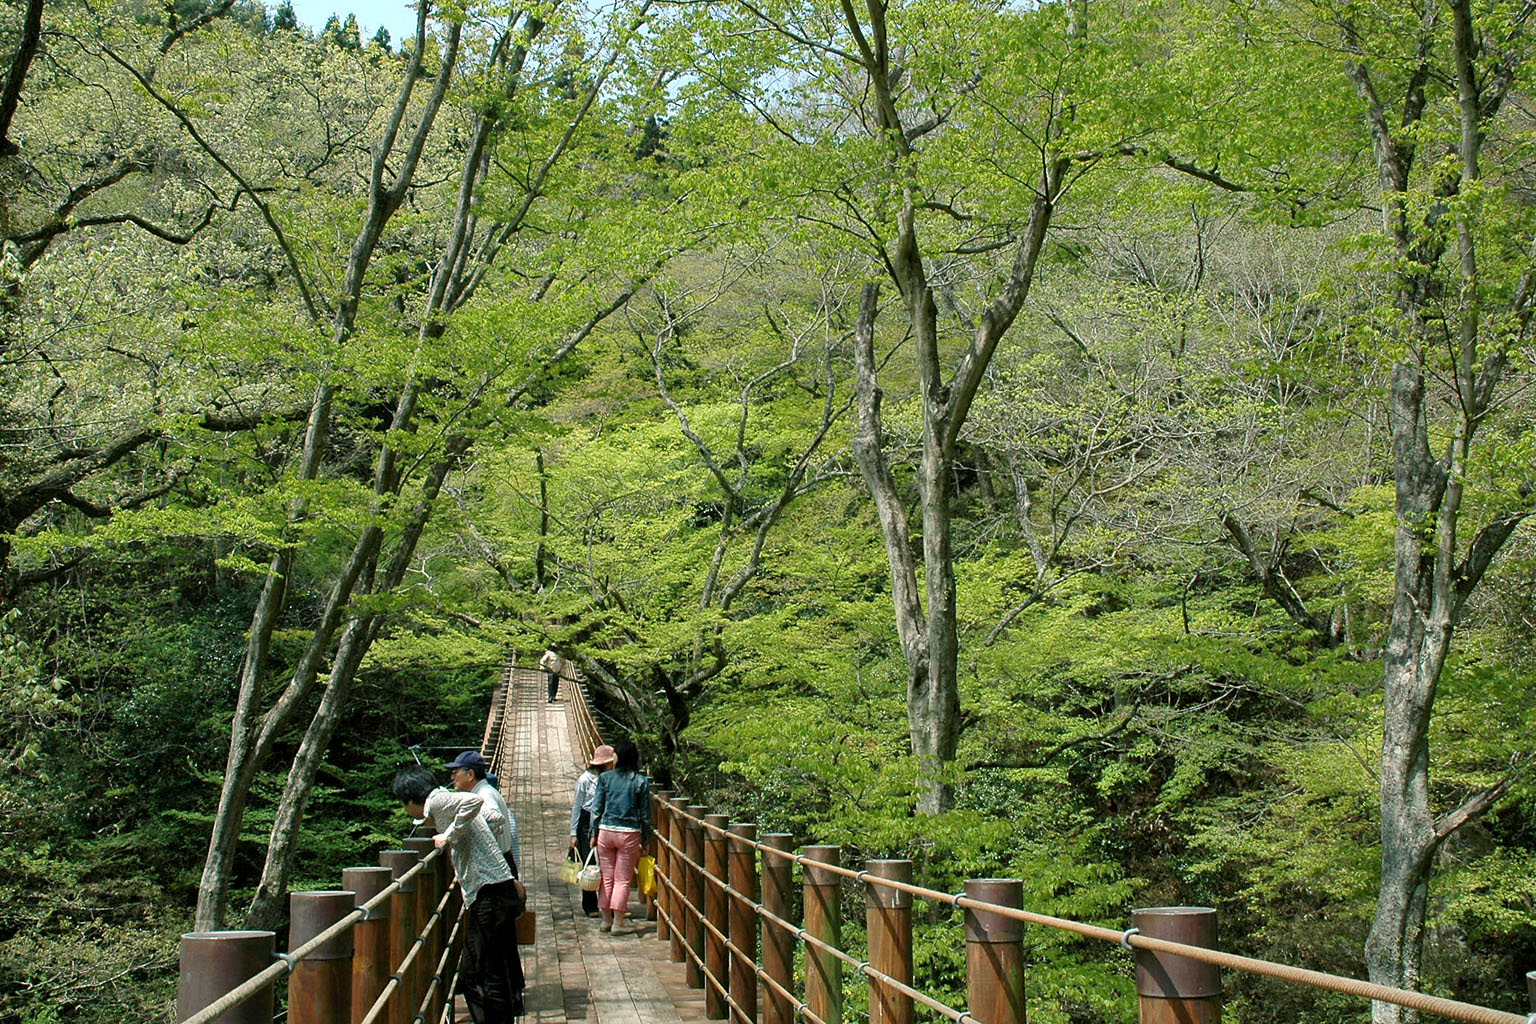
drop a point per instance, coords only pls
(491, 972)
(583, 846)
(554, 685)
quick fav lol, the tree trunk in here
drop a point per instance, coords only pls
(1433, 573)
(270, 902)
(245, 754)
(1417, 640)
(241, 762)
(933, 711)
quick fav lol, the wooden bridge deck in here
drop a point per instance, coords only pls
(574, 971)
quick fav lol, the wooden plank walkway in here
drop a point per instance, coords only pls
(574, 971)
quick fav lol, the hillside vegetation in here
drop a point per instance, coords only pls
(1087, 442)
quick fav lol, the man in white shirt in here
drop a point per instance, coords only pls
(466, 774)
(490, 971)
(553, 664)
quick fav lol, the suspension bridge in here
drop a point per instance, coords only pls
(744, 928)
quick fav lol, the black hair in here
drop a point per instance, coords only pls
(414, 784)
(629, 756)
(477, 771)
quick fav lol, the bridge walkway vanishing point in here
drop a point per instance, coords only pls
(574, 971)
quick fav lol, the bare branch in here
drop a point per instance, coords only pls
(207, 17)
(1062, 747)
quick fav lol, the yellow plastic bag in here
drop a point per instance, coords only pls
(645, 873)
(570, 873)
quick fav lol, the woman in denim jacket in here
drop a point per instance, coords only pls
(622, 810)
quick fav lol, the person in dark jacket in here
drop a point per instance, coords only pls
(622, 809)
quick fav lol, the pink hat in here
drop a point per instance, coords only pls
(604, 755)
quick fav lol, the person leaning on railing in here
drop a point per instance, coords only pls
(582, 832)
(467, 774)
(491, 971)
(622, 810)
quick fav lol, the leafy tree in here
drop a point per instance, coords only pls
(1452, 317)
(958, 233)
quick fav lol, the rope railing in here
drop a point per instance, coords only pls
(285, 963)
(686, 920)
(399, 978)
(862, 966)
(223, 970)
(585, 735)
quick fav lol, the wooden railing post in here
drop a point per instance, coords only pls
(320, 991)
(370, 938)
(212, 963)
(715, 910)
(402, 934)
(743, 916)
(1175, 989)
(994, 952)
(653, 902)
(778, 941)
(823, 921)
(888, 917)
(694, 831)
(676, 871)
(429, 889)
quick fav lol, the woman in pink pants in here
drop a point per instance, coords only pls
(622, 809)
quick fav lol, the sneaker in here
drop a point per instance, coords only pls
(606, 927)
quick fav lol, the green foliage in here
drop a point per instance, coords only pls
(1143, 723)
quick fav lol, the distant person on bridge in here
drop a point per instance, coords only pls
(467, 774)
(553, 664)
(622, 809)
(582, 832)
(490, 971)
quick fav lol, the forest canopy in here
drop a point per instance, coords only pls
(1088, 442)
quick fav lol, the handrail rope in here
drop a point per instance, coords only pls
(1453, 1008)
(436, 979)
(286, 963)
(800, 933)
(450, 996)
(799, 1005)
(397, 978)
(758, 969)
(722, 986)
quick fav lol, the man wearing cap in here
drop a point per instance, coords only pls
(582, 832)
(466, 774)
(490, 971)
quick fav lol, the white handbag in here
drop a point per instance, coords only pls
(590, 876)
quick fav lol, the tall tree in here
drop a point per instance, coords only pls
(252, 731)
(959, 232)
(1435, 81)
